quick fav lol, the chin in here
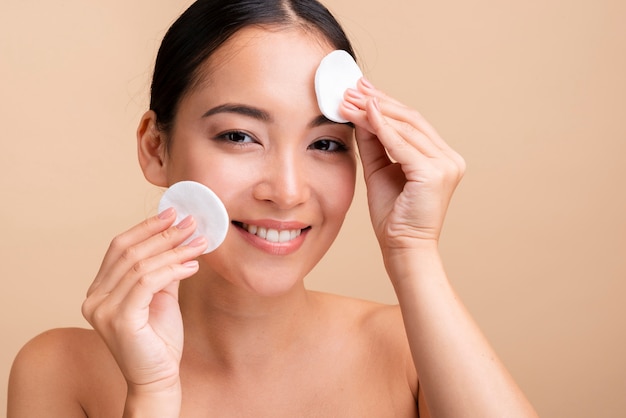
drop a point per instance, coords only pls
(272, 284)
(259, 274)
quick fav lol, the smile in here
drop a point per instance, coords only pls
(270, 234)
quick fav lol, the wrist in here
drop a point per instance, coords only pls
(421, 261)
(146, 401)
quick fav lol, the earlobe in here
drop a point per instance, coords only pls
(151, 150)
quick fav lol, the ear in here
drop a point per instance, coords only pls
(151, 150)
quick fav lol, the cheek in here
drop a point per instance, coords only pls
(338, 189)
(222, 173)
(232, 179)
(184, 164)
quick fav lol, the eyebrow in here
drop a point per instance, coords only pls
(239, 109)
(323, 120)
(262, 115)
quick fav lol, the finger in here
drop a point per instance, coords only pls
(133, 236)
(394, 109)
(409, 123)
(136, 303)
(369, 89)
(415, 129)
(399, 118)
(403, 118)
(399, 149)
(132, 311)
(126, 251)
(355, 114)
(379, 137)
(355, 108)
(143, 268)
(373, 155)
(412, 149)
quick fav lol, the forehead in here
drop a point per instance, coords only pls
(262, 62)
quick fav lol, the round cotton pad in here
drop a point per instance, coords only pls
(336, 73)
(192, 198)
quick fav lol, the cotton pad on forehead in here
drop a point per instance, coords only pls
(192, 198)
(336, 73)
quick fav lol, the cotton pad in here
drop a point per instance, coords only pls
(192, 198)
(336, 73)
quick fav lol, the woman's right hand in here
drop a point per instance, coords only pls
(133, 301)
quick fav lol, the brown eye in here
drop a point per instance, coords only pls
(237, 136)
(328, 145)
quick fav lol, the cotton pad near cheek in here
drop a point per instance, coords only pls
(192, 198)
(336, 73)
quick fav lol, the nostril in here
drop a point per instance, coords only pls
(284, 192)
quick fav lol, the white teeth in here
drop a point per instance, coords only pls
(273, 235)
(284, 236)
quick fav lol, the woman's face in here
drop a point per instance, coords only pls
(251, 130)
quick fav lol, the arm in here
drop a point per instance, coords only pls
(458, 370)
(133, 305)
(411, 174)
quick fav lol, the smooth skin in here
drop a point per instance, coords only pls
(234, 332)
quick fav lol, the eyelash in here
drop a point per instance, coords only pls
(338, 146)
(228, 136)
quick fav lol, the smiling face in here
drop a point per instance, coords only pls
(251, 130)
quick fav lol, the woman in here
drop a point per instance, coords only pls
(233, 106)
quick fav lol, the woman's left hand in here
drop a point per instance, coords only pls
(410, 172)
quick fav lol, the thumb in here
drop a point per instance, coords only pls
(373, 154)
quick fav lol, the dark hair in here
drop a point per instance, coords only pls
(207, 24)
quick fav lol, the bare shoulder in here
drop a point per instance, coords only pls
(375, 319)
(53, 373)
(376, 327)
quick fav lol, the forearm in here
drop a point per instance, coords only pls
(459, 372)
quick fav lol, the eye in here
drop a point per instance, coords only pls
(328, 145)
(237, 137)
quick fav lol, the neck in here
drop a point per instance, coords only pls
(231, 328)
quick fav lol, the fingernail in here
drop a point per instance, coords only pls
(193, 264)
(367, 83)
(185, 223)
(349, 106)
(197, 242)
(354, 94)
(166, 213)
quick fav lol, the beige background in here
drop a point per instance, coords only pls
(532, 93)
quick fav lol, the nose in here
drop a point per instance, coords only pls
(284, 181)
